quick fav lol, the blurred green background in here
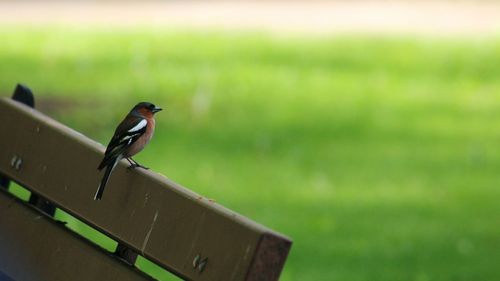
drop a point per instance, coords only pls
(377, 155)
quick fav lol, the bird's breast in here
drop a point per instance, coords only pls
(143, 140)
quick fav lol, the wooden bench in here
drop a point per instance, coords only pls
(146, 213)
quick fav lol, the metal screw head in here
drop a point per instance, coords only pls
(199, 263)
(13, 161)
(202, 265)
(196, 261)
(16, 162)
(19, 162)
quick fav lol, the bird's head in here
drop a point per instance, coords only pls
(146, 109)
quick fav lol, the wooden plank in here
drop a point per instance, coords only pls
(141, 209)
(24, 95)
(35, 247)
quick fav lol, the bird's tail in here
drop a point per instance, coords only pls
(105, 178)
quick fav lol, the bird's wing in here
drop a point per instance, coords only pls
(125, 135)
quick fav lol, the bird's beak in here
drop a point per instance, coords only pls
(157, 109)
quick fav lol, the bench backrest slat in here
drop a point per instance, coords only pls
(147, 212)
(35, 247)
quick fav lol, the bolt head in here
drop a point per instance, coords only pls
(13, 161)
(202, 265)
(196, 261)
(19, 162)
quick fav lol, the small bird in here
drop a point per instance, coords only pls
(131, 136)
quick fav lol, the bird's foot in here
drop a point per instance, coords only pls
(136, 165)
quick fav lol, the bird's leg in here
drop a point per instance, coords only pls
(128, 159)
(134, 164)
(139, 165)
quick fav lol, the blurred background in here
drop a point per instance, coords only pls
(367, 131)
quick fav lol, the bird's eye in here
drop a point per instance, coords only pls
(152, 106)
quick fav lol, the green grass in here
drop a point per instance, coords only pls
(378, 156)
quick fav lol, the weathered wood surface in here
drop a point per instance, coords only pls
(34, 247)
(141, 209)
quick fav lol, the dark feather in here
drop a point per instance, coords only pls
(122, 139)
(105, 178)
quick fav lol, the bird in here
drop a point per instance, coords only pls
(130, 137)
